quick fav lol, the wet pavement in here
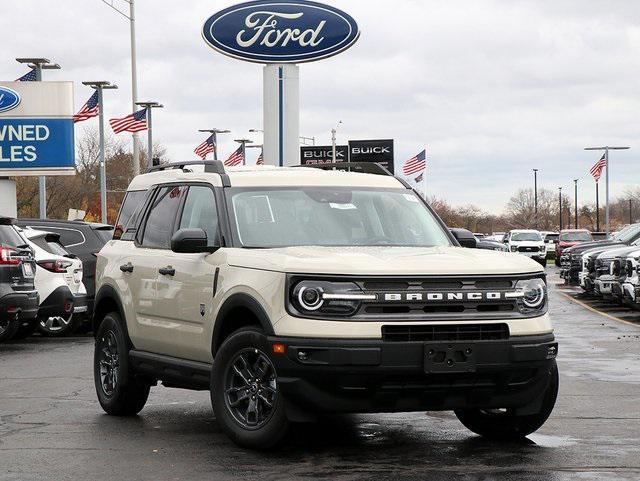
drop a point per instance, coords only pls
(51, 426)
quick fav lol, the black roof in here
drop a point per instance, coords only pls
(93, 225)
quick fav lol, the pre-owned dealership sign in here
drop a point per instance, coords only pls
(322, 154)
(280, 32)
(36, 128)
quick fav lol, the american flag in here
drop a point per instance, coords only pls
(419, 178)
(237, 158)
(134, 122)
(206, 147)
(415, 164)
(260, 160)
(30, 76)
(90, 109)
(598, 167)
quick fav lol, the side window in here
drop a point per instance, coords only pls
(68, 237)
(162, 214)
(200, 211)
(128, 212)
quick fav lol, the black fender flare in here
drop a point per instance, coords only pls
(245, 301)
(108, 292)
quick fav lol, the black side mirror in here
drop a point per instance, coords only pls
(464, 237)
(191, 241)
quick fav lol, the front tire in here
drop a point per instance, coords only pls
(118, 390)
(244, 391)
(503, 424)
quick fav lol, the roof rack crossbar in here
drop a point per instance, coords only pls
(361, 167)
(210, 166)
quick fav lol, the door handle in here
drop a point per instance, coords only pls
(167, 271)
(128, 267)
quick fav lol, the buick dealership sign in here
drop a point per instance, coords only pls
(280, 32)
(322, 154)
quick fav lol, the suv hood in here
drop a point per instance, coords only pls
(584, 246)
(382, 261)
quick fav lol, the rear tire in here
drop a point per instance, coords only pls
(25, 329)
(504, 425)
(57, 326)
(8, 328)
(118, 390)
(244, 391)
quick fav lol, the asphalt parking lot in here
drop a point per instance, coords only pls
(51, 426)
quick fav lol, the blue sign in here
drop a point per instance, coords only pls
(280, 32)
(36, 144)
(9, 99)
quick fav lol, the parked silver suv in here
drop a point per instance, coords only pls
(292, 291)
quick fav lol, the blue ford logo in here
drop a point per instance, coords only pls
(9, 99)
(280, 32)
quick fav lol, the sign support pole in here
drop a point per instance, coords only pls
(281, 115)
(42, 180)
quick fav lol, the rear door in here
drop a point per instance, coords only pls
(185, 296)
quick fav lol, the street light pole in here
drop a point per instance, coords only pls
(100, 85)
(606, 149)
(560, 202)
(39, 64)
(535, 196)
(149, 106)
(134, 74)
(575, 201)
(214, 132)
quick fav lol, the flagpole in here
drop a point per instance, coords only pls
(99, 85)
(38, 64)
(149, 106)
(597, 210)
(606, 163)
(424, 174)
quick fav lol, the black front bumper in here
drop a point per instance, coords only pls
(379, 376)
(20, 304)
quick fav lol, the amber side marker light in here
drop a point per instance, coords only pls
(278, 348)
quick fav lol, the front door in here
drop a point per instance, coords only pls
(185, 291)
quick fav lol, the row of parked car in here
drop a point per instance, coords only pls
(47, 275)
(607, 268)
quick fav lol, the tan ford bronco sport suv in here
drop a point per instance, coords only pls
(290, 292)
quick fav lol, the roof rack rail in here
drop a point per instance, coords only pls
(361, 167)
(210, 166)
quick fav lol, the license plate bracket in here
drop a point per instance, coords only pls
(449, 357)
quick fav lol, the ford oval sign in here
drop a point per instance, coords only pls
(9, 99)
(280, 32)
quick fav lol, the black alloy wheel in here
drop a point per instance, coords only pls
(251, 388)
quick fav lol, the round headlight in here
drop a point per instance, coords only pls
(514, 248)
(310, 298)
(534, 293)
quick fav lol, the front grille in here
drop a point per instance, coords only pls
(464, 332)
(528, 249)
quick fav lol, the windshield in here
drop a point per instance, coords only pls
(628, 233)
(526, 236)
(334, 217)
(575, 236)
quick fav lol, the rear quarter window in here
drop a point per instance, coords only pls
(128, 215)
(10, 237)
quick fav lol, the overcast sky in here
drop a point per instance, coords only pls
(491, 88)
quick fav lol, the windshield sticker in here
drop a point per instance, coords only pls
(410, 198)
